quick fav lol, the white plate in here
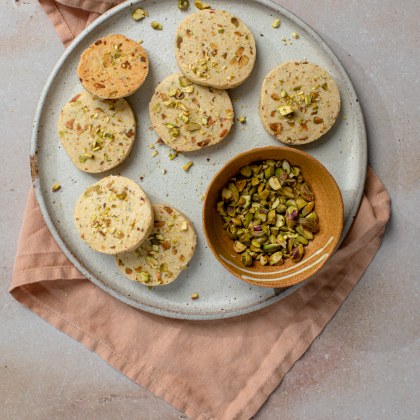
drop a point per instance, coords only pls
(343, 151)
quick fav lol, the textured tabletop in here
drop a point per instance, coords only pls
(365, 365)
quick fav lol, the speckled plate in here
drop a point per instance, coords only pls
(343, 151)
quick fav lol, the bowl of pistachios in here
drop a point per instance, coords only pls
(272, 216)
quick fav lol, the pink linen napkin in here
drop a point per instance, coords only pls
(222, 369)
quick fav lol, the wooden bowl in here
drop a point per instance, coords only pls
(328, 205)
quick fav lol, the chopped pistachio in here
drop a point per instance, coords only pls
(187, 166)
(139, 14)
(184, 82)
(172, 156)
(193, 126)
(195, 296)
(295, 35)
(164, 171)
(285, 110)
(276, 23)
(283, 94)
(242, 119)
(201, 5)
(155, 153)
(145, 277)
(221, 31)
(121, 195)
(183, 4)
(55, 187)
(267, 210)
(156, 25)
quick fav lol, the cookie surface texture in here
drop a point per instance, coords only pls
(114, 215)
(97, 134)
(113, 67)
(165, 254)
(299, 102)
(188, 116)
(214, 48)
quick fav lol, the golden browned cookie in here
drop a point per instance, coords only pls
(188, 116)
(113, 67)
(97, 134)
(166, 252)
(114, 215)
(214, 48)
(299, 102)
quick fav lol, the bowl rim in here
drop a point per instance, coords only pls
(205, 209)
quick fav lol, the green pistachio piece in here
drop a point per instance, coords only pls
(235, 193)
(226, 194)
(183, 4)
(285, 110)
(246, 259)
(239, 247)
(274, 183)
(297, 253)
(244, 201)
(308, 208)
(192, 126)
(240, 185)
(276, 258)
(271, 248)
(281, 208)
(246, 171)
(306, 192)
(269, 172)
(271, 217)
(184, 82)
(264, 259)
(300, 203)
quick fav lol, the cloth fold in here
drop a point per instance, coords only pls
(222, 369)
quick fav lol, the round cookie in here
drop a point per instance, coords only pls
(114, 215)
(189, 117)
(214, 48)
(165, 253)
(299, 102)
(113, 67)
(97, 134)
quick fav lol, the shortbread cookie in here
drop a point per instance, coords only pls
(214, 48)
(97, 134)
(299, 102)
(165, 253)
(113, 67)
(114, 215)
(188, 116)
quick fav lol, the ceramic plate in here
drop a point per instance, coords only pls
(343, 150)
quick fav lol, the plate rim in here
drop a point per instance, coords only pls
(170, 313)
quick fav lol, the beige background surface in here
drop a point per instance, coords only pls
(365, 365)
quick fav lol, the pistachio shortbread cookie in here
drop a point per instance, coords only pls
(97, 134)
(299, 102)
(113, 67)
(188, 116)
(114, 215)
(214, 48)
(165, 253)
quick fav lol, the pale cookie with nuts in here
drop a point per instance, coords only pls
(97, 134)
(299, 102)
(113, 67)
(165, 253)
(114, 215)
(214, 48)
(188, 116)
